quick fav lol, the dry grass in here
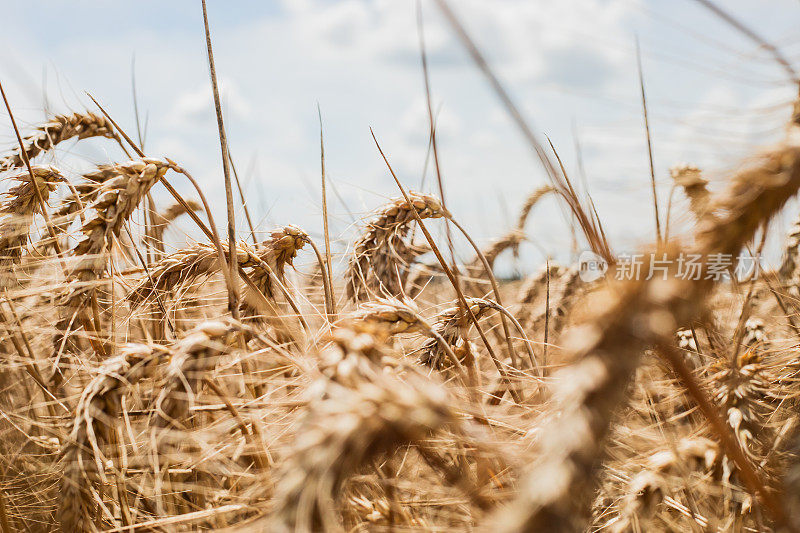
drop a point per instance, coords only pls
(132, 401)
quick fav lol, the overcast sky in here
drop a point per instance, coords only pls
(714, 98)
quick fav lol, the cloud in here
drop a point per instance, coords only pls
(575, 66)
(196, 107)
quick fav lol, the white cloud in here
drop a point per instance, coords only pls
(196, 107)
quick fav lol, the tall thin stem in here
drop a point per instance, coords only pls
(649, 144)
(233, 267)
(328, 266)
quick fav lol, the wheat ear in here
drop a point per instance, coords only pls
(276, 252)
(195, 355)
(789, 270)
(186, 266)
(397, 317)
(361, 414)
(530, 202)
(380, 256)
(114, 203)
(790, 482)
(18, 207)
(61, 128)
(93, 427)
(115, 200)
(687, 463)
(513, 237)
(694, 185)
(452, 324)
(741, 388)
(162, 220)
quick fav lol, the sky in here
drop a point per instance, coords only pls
(714, 98)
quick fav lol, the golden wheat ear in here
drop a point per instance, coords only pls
(275, 254)
(115, 200)
(694, 185)
(61, 128)
(194, 356)
(361, 415)
(511, 240)
(183, 266)
(161, 221)
(451, 324)
(93, 429)
(376, 266)
(18, 207)
(789, 271)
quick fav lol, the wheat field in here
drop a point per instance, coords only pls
(379, 384)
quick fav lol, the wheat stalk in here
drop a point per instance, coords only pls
(532, 288)
(563, 299)
(692, 475)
